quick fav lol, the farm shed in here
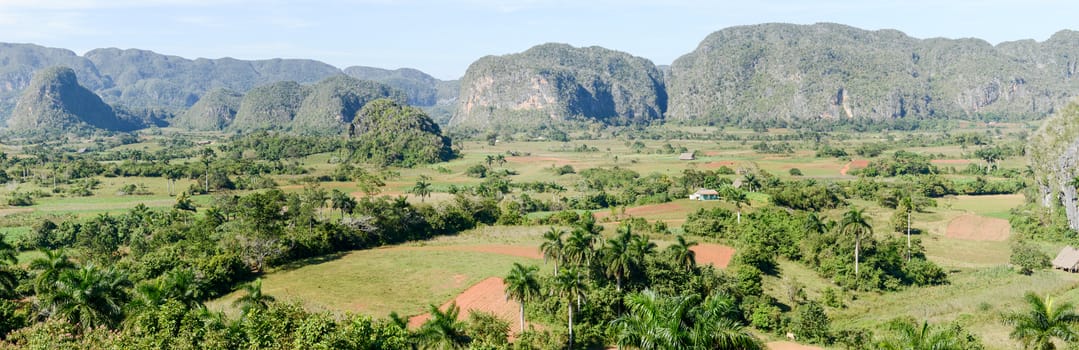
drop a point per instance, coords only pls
(687, 156)
(1067, 259)
(704, 194)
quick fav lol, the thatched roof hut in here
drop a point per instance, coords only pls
(1067, 259)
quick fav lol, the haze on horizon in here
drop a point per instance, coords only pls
(443, 37)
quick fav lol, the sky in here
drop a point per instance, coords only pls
(442, 37)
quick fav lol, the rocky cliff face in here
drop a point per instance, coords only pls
(828, 71)
(1054, 157)
(555, 82)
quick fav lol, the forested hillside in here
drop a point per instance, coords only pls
(555, 82)
(781, 72)
(55, 102)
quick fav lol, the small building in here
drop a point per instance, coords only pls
(204, 142)
(687, 156)
(1067, 259)
(704, 194)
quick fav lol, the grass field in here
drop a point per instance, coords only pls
(407, 278)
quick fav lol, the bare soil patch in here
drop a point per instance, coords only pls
(486, 296)
(786, 345)
(645, 210)
(978, 228)
(854, 164)
(716, 254)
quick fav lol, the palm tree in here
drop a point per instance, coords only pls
(253, 298)
(907, 204)
(618, 257)
(552, 246)
(855, 224)
(489, 160)
(908, 336)
(1042, 322)
(522, 285)
(49, 268)
(422, 189)
(682, 322)
(88, 297)
(569, 286)
(738, 197)
(500, 159)
(342, 201)
(682, 252)
(443, 330)
(580, 247)
(814, 223)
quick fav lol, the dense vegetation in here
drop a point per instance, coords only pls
(780, 72)
(559, 82)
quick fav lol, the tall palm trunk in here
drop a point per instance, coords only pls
(522, 317)
(570, 307)
(857, 246)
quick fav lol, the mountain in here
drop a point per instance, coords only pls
(53, 101)
(783, 72)
(1053, 153)
(147, 79)
(554, 82)
(326, 107)
(391, 133)
(423, 90)
(214, 111)
(333, 103)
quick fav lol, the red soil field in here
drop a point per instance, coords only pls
(978, 228)
(716, 254)
(854, 164)
(487, 296)
(645, 210)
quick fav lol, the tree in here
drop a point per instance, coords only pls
(342, 201)
(682, 252)
(522, 286)
(88, 297)
(422, 188)
(580, 247)
(48, 269)
(369, 183)
(489, 159)
(443, 330)
(569, 286)
(7, 257)
(618, 257)
(552, 246)
(500, 159)
(737, 197)
(1042, 322)
(855, 223)
(906, 335)
(990, 155)
(681, 322)
(253, 297)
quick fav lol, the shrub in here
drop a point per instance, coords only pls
(795, 172)
(1028, 258)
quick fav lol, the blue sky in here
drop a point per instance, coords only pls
(444, 37)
